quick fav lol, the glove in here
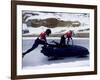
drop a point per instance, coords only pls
(52, 41)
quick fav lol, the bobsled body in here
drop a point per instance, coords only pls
(66, 51)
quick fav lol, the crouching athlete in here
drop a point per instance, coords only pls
(68, 36)
(41, 39)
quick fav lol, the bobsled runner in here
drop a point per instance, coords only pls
(66, 51)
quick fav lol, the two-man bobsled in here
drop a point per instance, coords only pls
(66, 51)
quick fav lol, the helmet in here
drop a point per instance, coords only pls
(48, 31)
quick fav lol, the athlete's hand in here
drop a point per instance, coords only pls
(52, 41)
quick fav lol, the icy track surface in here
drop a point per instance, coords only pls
(36, 60)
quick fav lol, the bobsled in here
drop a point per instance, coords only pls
(66, 51)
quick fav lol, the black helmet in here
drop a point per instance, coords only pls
(48, 31)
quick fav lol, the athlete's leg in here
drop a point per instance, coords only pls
(35, 45)
(68, 41)
(72, 40)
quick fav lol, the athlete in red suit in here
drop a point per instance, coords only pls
(68, 35)
(41, 39)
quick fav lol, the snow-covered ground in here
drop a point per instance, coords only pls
(56, 30)
(66, 16)
(36, 60)
(83, 18)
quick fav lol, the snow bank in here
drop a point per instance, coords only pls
(83, 18)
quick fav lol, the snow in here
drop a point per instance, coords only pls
(83, 18)
(24, 26)
(56, 30)
(60, 15)
(36, 60)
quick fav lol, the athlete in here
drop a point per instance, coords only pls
(41, 39)
(68, 36)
